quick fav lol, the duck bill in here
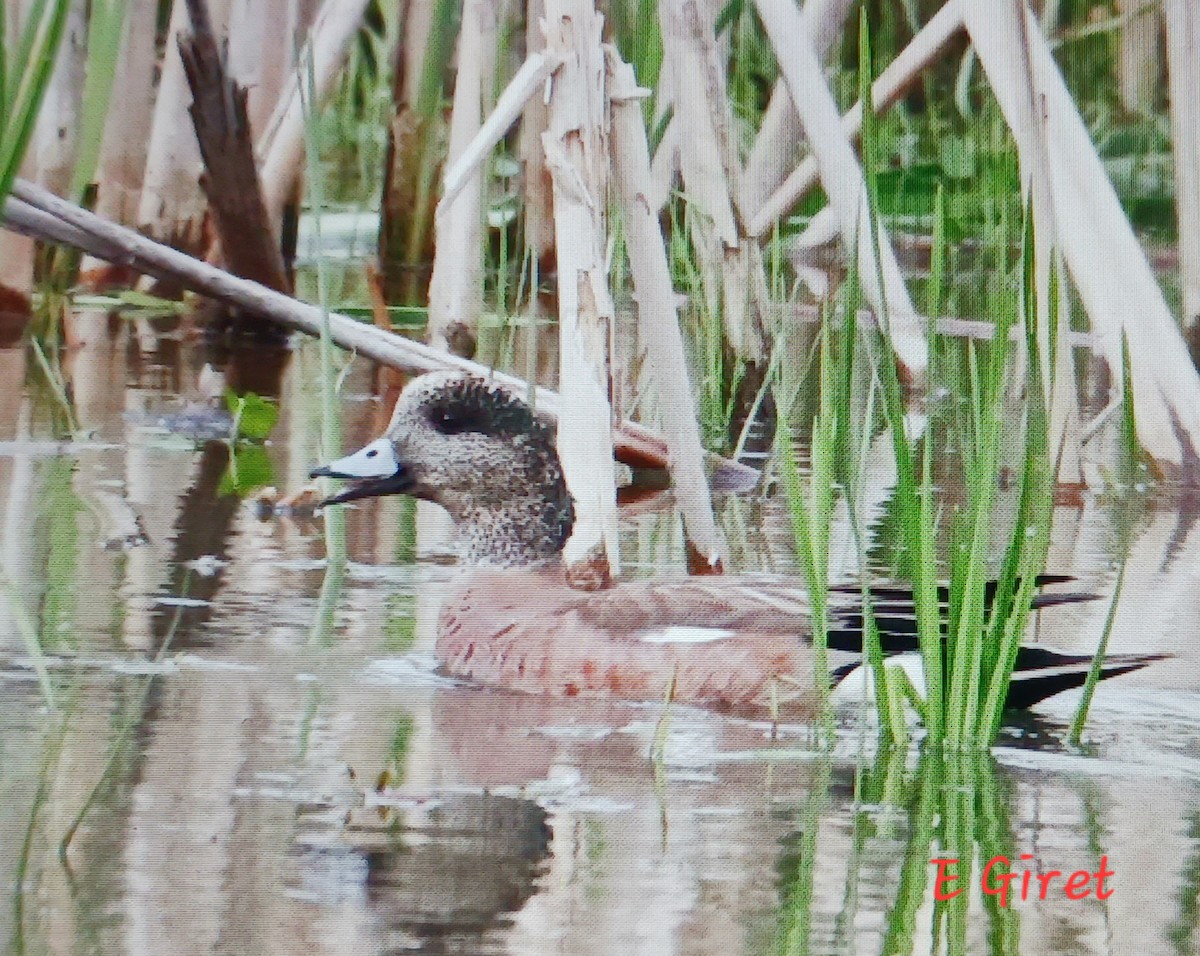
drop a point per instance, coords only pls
(373, 471)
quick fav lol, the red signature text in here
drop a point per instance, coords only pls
(998, 879)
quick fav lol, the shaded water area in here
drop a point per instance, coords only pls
(252, 755)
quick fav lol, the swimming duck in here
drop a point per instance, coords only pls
(475, 448)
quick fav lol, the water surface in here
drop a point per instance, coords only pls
(252, 757)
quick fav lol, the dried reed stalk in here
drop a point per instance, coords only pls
(1139, 53)
(576, 147)
(1183, 59)
(529, 80)
(1113, 277)
(281, 148)
(658, 321)
(842, 177)
(172, 206)
(456, 286)
(896, 77)
(731, 268)
(46, 216)
(772, 156)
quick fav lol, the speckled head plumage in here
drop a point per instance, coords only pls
(476, 449)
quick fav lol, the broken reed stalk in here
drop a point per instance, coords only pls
(48, 217)
(456, 285)
(658, 320)
(842, 178)
(731, 268)
(891, 83)
(530, 79)
(230, 181)
(538, 194)
(772, 157)
(281, 146)
(575, 143)
(171, 206)
(1113, 277)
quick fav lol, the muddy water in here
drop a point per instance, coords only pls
(247, 755)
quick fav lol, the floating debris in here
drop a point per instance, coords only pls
(171, 600)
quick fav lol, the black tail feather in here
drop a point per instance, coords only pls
(1032, 685)
(895, 615)
(1038, 672)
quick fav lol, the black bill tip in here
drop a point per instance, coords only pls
(398, 484)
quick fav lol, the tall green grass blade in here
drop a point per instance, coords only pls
(105, 28)
(331, 422)
(914, 500)
(871, 646)
(1130, 456)
(938, 258)
(26, 76)
(58, 389)
(648, 48)
(31, 638)
(1133, 464)
(120, 745)
(659, 130)
(1079, 720)
(808, 518)
(1029, 541)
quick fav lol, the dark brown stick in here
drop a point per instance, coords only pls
(235, 200)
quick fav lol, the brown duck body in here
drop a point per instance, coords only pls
(513, 621)
(707, 643)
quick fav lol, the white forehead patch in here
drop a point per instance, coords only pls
(683, 634)
(376, 460)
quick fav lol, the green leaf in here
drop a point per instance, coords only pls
(259, 416)
(253, 415)
(132, 299)
(248, 470)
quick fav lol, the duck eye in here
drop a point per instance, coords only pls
(373, 452)
(455, 421)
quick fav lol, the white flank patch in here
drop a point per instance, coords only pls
(859, 684)
(682, 634)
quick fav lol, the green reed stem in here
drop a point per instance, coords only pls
(24, 75)
(331, 422)
(1131, 454)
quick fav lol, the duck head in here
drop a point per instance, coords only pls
(478, 450)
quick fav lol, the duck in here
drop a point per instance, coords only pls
(513, 621)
